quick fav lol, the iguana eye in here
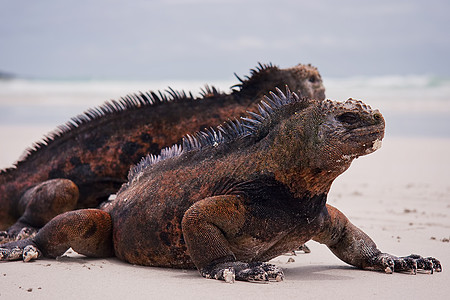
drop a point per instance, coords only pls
(348, 117)
(312, 79)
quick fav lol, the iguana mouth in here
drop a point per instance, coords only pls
(368, 138)
(374, 133)
(376, 145)
(375, 142)
(369, 133)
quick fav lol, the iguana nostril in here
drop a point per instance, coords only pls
(377, 116)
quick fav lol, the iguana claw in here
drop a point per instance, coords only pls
(26, 253)
(30, 252)
(24, 233)
(384, 262)
(255, 272)
(10, 254)
(430, 264)
(229, 275)
(411, 263)
(304, 248)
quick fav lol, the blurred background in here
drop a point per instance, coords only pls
(211, 39)
(57, 58)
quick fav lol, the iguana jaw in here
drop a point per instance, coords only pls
(365, 140)
(376, 145)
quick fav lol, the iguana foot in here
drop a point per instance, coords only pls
(38, 205)
(24, 250)
(24, 233)
(257, 271)
(304, 248)
(412, 263)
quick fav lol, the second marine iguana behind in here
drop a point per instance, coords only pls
(228, 200)
(87, 159)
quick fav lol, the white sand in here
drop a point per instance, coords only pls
(400, 196)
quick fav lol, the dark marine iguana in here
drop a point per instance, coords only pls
(84, 161)
(229, 199)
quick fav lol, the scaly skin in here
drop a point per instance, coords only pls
(229, 200)
(97, 153)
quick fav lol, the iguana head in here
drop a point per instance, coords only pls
(328, 135)
(305, 80)
(350, 129)
(310, 143)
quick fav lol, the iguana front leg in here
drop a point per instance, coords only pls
(39, 205)
(87, 231)
(207, 227)
(356, 248)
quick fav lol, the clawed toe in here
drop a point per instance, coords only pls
(406, 264)
(30, 252)
(19, 250)
(261, 272)
(436, 264)
(273, 272)
(4, 237)
(414, 262)
(10, 254)
(253, 272)
(304, 248)
(386, 263)
(25, 233)
(229, 275)
(429, 264)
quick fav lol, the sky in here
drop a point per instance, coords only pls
(212, 39)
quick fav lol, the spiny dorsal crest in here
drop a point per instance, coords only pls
(225, 133)
(151, 159)
(210, 91)
(111, 107)
(260, 68)
(234, 129)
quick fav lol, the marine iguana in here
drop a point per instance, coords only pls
(229, 199)
(85, 160)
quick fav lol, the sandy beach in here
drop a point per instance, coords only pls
(399, 195)
(60, 61)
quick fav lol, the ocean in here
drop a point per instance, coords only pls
(413, 106)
